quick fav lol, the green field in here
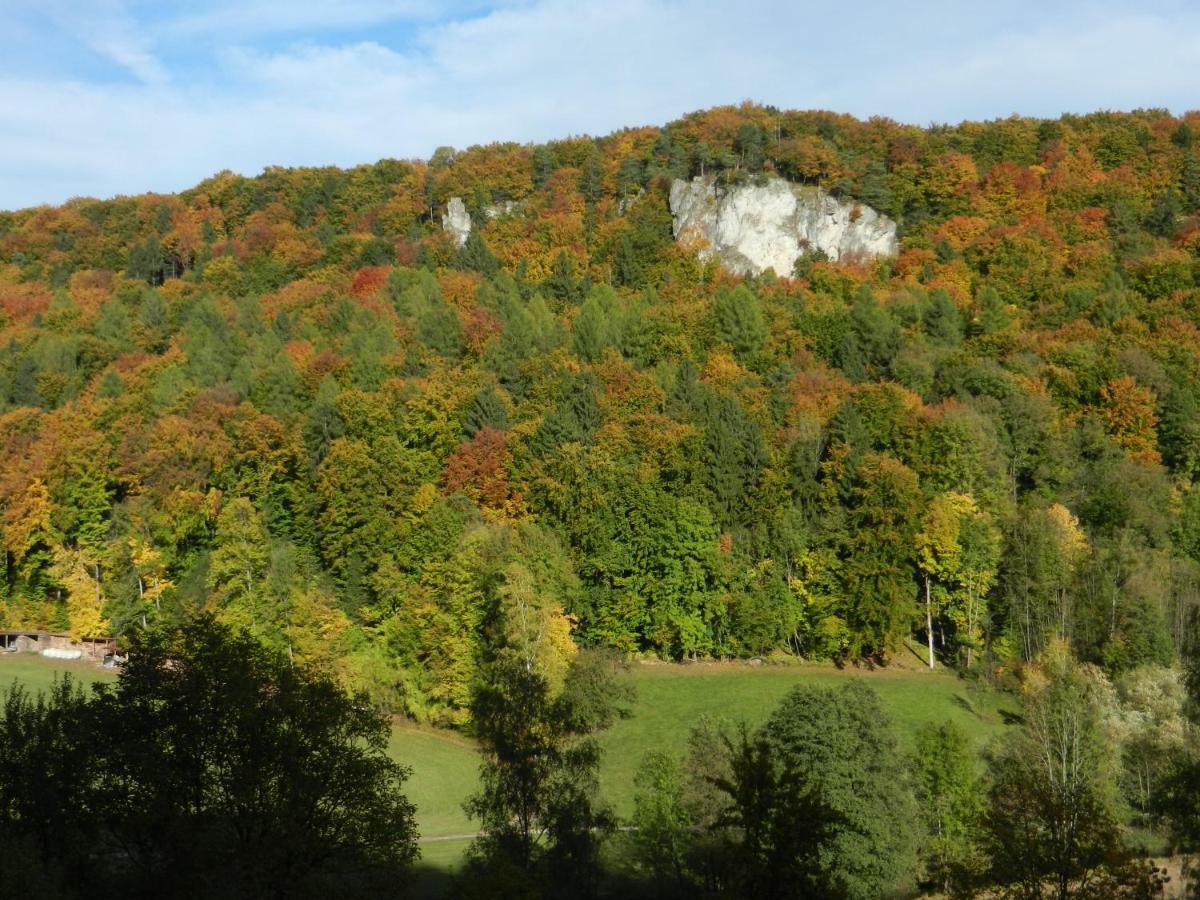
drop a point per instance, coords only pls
(445, 770)
(39, 673)
(669, 700)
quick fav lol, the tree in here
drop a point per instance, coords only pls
(1045, 548)
(1155, 733)
(839, 743)
(750, 145)
(951, 799)
(474, 256)
(1178, 795)
(239, 562)
(85, 596)
(487, 410)
(739, 320)
(213, 764)
(943, 321)
(662, 825)
(782, 825)
(957, 548)
(877, 555)
(324, 424)
(542, 827)
(1051, 820)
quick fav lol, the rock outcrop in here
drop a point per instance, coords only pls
(457, 220)
(754, 227)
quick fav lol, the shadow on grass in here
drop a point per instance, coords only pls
(431, 882)
(1011, 718)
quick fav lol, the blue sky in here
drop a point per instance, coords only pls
(106, 97)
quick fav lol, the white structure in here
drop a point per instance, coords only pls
(754, 227)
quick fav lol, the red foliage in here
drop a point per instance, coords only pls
(369, 280)
(479, 469)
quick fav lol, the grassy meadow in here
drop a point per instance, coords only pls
(669, 699)
(38, 673)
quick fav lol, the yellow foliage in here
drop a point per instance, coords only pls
(1071, 542)
(85, 599)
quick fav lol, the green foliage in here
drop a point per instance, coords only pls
(1052, 816)
(951, 800)
(839, 743)
(542, 827)
(739, 320)
(786, 830)
(211, 760)
(662, 824)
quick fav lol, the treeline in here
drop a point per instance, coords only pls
(216, 768)
(293, 401)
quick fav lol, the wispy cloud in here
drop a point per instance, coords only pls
(309, 83)
(109, 29)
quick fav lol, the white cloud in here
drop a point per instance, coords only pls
(550, 68)
(108, 28)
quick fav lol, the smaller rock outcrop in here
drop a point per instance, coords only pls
(502, 209)
(768, 224)
(457, 220)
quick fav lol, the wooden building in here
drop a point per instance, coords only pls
(93, 648)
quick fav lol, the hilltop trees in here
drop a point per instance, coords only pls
(292, 400)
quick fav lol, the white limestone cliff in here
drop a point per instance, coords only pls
(457, 220)
(755, 227)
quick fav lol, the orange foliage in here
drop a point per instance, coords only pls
(479, 469)
(369, 280)
(1129, 411)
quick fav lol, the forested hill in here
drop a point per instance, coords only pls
(294, 399)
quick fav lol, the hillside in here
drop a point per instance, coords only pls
(297, 400)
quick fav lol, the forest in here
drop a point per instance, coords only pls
(454, 478)
(293, 401)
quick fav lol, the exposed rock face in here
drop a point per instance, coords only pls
(502, 210)
(457, 220)
(752, 228)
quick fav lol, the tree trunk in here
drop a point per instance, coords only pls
(929, 620)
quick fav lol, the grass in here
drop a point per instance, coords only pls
(445, 770)
(670, 699)
(38, 673)
(437, 866)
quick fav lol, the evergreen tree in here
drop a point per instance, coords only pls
(739, 320)
(487, 410)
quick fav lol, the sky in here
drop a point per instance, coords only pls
(106, 97)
